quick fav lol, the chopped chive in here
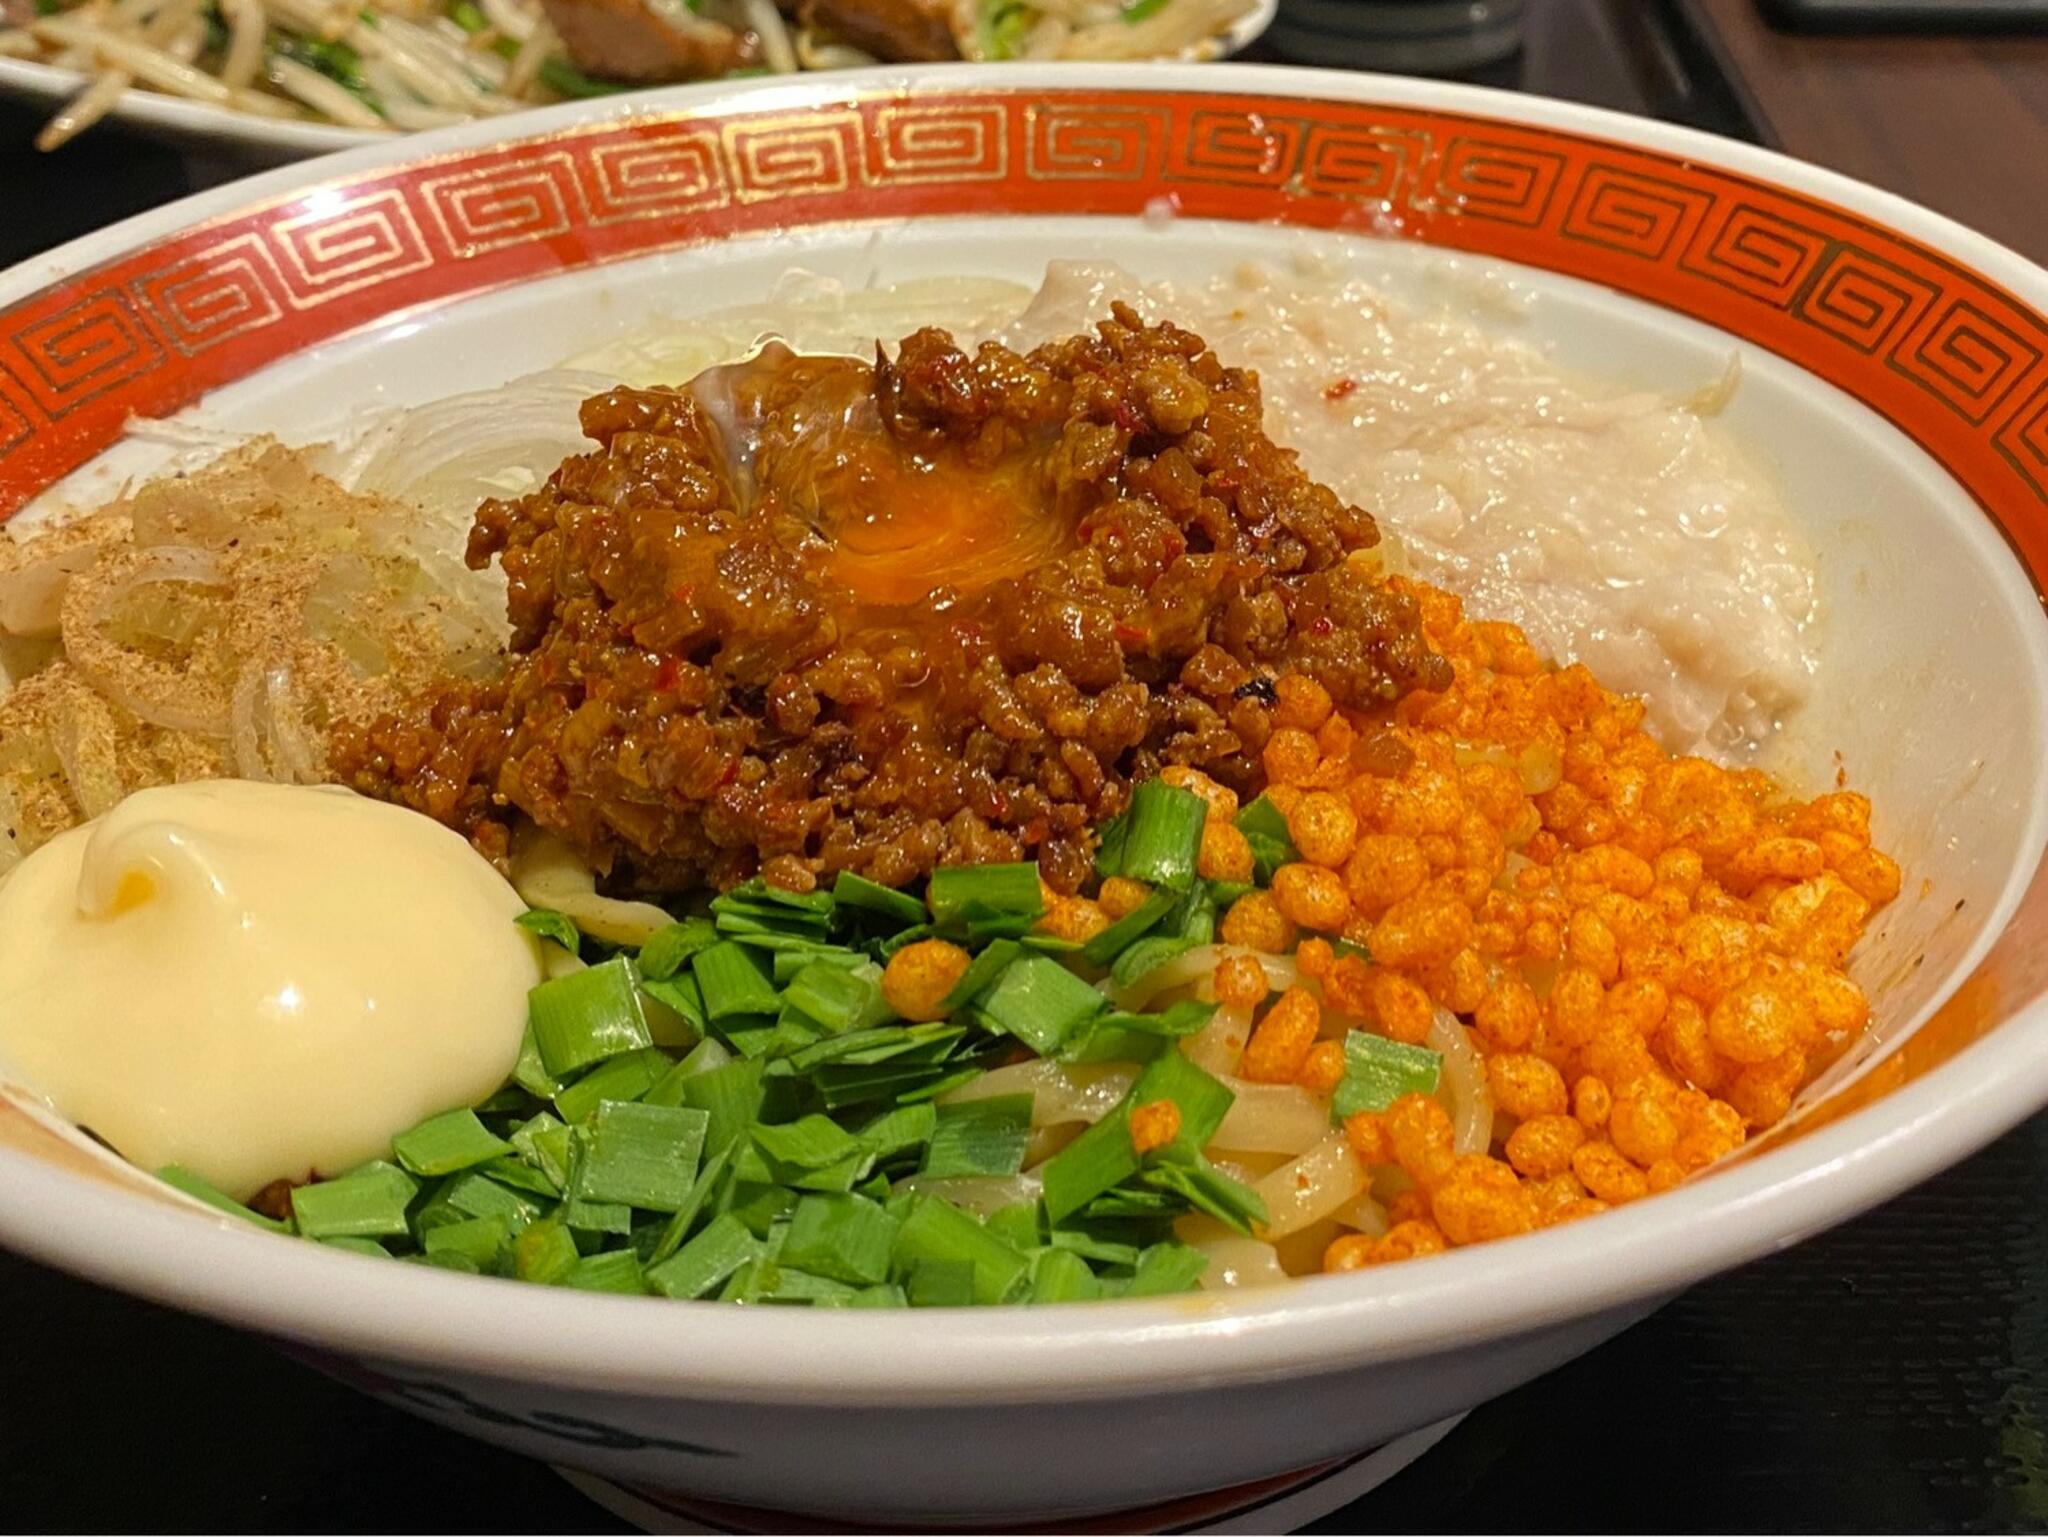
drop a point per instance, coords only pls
(733, 982)
(178, 1177)
(369, 1202)
(841, 1237)
(938, 1230)
(668, 949)
(1104, 1251)
(627, 1076)
(730, 1096)
(1105, 1040)
(706, 1260)
(1378, 1071)
(543, 1253)
(529, 1073)
(1165, 834)
(614, 1270)
(1194, 918)
(850, 890)
(759, 1206)
(1058, 1275)
(546, 1147)
(1041, 1003)
(1223, 893)
(710, 1179)
(639, 1155)
(1109, 845)
(1148, 954)
(840, 998)
(558, 928)
(681, 996)
(1130, 928)
(453, 1140)
(1166, 1268)
(1265, 829)
(998, 899)
(1208, 1189)
(898, 1131)
(461, 1264)
(521, 1175)
(471, 1194)
(1017, 1225)
(981, 973)
(814, 1142)
(982, 1136)
(614, 1218)
(1102, 1156)
(940, 1283)
(482, 1239)
(1182, 1017)
(587, 1016)
(888, 1296)
(801, 1288)
(348, 1245)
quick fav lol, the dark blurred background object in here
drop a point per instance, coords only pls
(1909, 15)
(1423, 37)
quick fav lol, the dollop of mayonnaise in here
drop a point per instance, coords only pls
(259, 981)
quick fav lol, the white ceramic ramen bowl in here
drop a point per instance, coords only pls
(1895, 380)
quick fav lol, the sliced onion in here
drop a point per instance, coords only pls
(1271, 1118)
(294, 750)
(548, 873)
(146, 688)
(1235, 1261)
(1060, 1093)
(1321, 1181)
(82, 735)
(245, 743)
(1364, 1215)
(33, 577)
(1195, 968)
(1464, 1080)
(1216, 1047)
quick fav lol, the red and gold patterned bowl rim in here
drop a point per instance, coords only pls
(1954, 360)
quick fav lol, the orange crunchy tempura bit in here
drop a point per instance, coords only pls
(1649, 948)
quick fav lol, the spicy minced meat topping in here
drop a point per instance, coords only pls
(809, 614)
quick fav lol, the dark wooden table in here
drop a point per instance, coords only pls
(1890, 1376)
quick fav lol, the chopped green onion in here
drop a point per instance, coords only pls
(940, 1283)
(521, 1175)
(710, 1178)
(1058, 1275)
(1104, 1251)
(681, 996)
(550, 925)
(759, 1206)
(1135, 11)
(801, 1288)
(178, 1177)
(1378, 1071)
(1194, 919)
(1147, 955)
(995, 899)
(730, 1095)
(1041, 1003)
(1165, 834)
(545, 1143)
(471, 1194)
(841, 1237)
(639, 1155)
(565, 79)
(733, 981)
(839, 998)
(981, 974)
(1130, 928)
(623, 1077)
(981, 1136)
(937, 1230)
(668, 949)
(1183, 1017)
(453, 1140)
(1265, 828)
(482, 1239)
(369, 1202)
(890, 1296)
(615, 1270)
(1208, 1189)
(613, 1217)
(850, 890)
(898, 1131)
(528, 1072)
(1166, 1268)
(706, 1260)
(1109, 845)
(1017, 1225)
(468, 16)
(587, 1016)
(348, 1245)
(814, 1142)
(1102, 1157)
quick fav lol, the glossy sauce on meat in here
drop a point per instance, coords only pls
(812, 613)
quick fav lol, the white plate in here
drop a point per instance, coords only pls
(262, 141)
